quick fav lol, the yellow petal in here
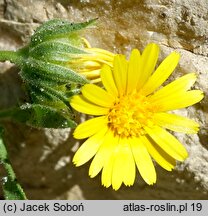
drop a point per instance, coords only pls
(134, 72)
(102, 54)
(97, 95)
(128, 163)
(168, 143)
(182, 84)
(117, 172)
(120, 73)
(91, 74)
(160, 156)
(107, 172)
(109, 162)
(103, 154)
(124, 165)
(96, 80)
(148, 62)
(176, 123)
(161, 74)
(143, 161)
(90, 127)
(89, 148)
(82, 105)
(108, 80)
(178, 101)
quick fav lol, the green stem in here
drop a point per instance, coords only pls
(11, 56)
(14, 56)
(11, 188)
(9, 170)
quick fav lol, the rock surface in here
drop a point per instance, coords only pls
(42, 158)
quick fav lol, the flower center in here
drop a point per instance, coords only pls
(129, 115)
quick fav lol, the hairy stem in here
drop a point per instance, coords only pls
(11, 188)
(11, 56)
(15, 57)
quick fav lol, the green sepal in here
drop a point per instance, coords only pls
(56, 28)
(33, 76)
(50, 72)
(55, 51)
(48, 96)
(54, 97)
(41, 116)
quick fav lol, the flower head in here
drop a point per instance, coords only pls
(132, 118)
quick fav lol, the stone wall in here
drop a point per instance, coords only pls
(42, 158)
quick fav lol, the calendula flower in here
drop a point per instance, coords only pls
(91, 61)
(132, 118)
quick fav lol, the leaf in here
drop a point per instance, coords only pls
(41, 116)
(56, 29)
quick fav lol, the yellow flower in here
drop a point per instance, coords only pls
(90, 63)
(132, 118)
